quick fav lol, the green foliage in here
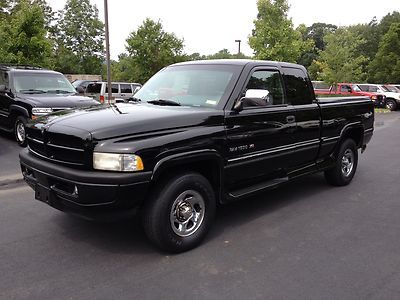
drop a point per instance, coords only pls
(23, 36)
(79, 39)
(151, 48)
(387, 21)
(273, 37)
(385, 68)
(340, 61)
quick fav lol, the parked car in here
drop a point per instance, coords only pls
(392, 98)
(392, 88)
(120, 90)
(227, 130)
(28, 92)
(81, 85)
(351, 89)
(321, 87)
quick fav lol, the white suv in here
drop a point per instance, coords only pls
(392, 99)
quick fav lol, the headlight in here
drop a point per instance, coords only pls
(39, 111)
(117, 162)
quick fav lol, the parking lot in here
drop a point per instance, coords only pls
(307, 240)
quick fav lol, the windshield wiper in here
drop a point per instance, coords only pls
(60, 91)
(33, 91)
(164, 102)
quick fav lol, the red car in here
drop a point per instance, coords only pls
(349, 89)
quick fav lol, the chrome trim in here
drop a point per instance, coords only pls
(35, 140)
(368, 130)
(330, 139)
(64, 147)
(55, 160)
(276, 150)
(341, 103)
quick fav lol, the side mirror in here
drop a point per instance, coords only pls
(238, 105)
(253, 98)
(80, 90)
(3, 88)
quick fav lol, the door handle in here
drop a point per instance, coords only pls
(290, 119)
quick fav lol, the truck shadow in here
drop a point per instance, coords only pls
(128, 236)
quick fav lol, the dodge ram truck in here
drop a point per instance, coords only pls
(197, 135)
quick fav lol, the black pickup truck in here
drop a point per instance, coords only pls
(198, 134)
(28, 92)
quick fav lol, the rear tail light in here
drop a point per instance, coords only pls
(102, 99)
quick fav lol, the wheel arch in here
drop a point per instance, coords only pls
(208, 163)
(16, 110)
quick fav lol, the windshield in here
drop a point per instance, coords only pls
(40, 83)
(392, 89)
(190, 85)
(384, 88)
(76, 83)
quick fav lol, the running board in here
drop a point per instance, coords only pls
(258, 187)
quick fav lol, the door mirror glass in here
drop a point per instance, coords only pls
(257, 94)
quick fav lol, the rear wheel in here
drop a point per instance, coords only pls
(391, 104)
(346, 165)
(19, 130)
(180, 212)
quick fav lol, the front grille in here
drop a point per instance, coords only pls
(59, 148)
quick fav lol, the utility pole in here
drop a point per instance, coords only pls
(107, 51)
(238, 41)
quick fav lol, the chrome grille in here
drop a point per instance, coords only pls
(59, 148)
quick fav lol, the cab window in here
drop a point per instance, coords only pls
(264, 88)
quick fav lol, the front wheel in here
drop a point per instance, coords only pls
(180, 212)
(19, 131)
(345, 166)
(391, 104)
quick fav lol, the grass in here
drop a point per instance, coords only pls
(382, 110)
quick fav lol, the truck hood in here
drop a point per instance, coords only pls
(125, 119)
(57, 100)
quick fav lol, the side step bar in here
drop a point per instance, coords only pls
(258, 187)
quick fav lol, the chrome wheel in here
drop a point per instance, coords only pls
(20, 131)
(347, 162)
(390, 105)
(187, 213)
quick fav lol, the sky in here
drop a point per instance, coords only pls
(207, 26)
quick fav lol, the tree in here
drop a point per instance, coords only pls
(79, 38)
(385, 68)
(24, 36)
(387, 21)
(340, 61)
(151, 49)
(273, 36)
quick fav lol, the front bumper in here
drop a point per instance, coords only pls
(89, 194)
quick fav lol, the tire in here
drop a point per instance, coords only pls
(391, 104)
(180, 212)
(19, 131)
(345, 166)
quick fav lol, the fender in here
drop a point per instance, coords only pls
(176, 160)
(20, 109)
(186, 157)
(345, 129)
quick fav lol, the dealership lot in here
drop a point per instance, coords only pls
(305, 240)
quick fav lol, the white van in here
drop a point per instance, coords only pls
(120, 91)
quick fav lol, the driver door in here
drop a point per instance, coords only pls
(260, 137)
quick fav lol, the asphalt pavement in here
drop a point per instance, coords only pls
(307, 240)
